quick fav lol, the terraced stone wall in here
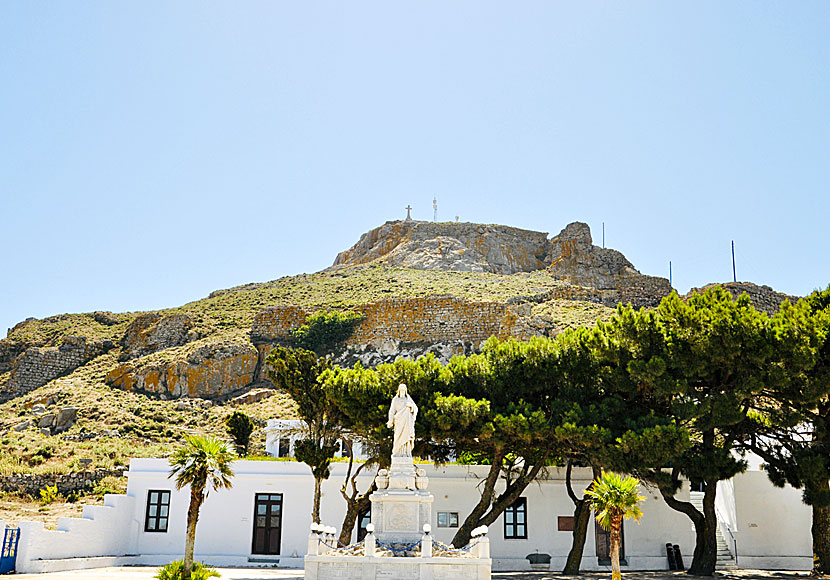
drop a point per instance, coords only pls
(433, 319)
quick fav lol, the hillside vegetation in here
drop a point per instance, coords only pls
(551, 284)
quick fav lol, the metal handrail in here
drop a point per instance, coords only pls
(731, 535)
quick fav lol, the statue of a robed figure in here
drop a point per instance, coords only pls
(402, 414)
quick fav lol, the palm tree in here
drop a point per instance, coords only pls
(202, 462)
(615, 498)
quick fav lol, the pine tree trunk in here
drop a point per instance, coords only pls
(196, 498)
(616, 525)
(582, 517)
(700, 561)
(462, 536)
(821, 535)
(355, 506)
(315, 511)
(706, 544)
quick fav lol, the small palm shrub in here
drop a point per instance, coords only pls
(175, 570)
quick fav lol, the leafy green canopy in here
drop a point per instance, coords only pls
(325, 329)
(240, 427)
(297, 372)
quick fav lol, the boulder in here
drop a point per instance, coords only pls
(152, 332)
(47, 420)
(66, 418)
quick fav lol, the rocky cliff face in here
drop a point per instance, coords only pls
(570, 256)
(456, 247)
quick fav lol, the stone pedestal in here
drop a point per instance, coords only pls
(401, 505)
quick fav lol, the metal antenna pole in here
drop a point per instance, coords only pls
(669, 272)
(603, 235)
(734, 277)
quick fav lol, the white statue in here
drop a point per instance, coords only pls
(402, 414)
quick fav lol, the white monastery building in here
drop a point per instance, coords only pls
(264, 519)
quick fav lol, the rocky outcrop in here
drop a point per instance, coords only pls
(52, 421)
(208, 371)
(461, 247)
(763, 298)
(575, 259)
(570, 256)
(152, 332)
(39, 365)
(371, 355)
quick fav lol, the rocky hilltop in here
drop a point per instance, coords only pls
(420, 287)
(466, 247)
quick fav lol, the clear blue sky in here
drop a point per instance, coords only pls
(151, 152)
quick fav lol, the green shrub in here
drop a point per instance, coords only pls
(49, 494)
(174, 570)
(109, 484)
(325, 329)
(240, 427)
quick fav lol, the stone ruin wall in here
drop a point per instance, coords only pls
(66, 483)
(152, 332)
(39, 365)
(763, 298)
(433, 319)
(276, 322)
(10, 350)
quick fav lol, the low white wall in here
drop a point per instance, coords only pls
(107, 531)
(773, 525)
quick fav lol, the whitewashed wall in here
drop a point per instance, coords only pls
(101, 537)
(225, 525)
(774, 527)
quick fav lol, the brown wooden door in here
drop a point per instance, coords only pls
(267, 523)
(604, 544)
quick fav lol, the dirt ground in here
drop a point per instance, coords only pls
(13, 509)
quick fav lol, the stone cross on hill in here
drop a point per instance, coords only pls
(408, 209)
